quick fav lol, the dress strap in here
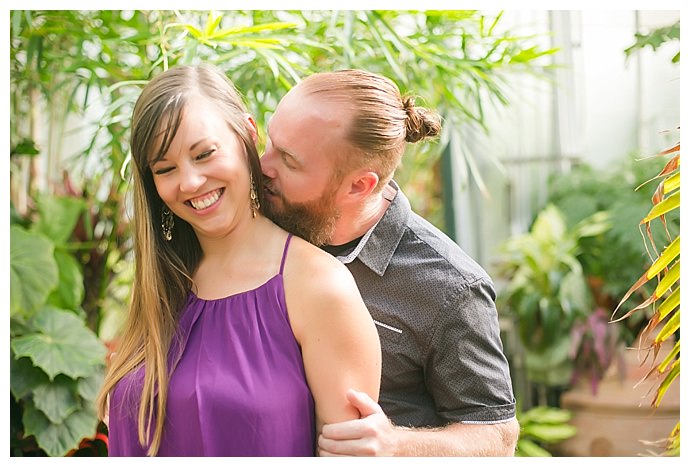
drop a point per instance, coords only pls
(282, 261)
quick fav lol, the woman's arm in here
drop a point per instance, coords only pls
(339, 341)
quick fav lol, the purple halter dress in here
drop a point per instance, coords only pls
(238, 387)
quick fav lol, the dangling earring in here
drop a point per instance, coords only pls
(167, 223)
(253, 198)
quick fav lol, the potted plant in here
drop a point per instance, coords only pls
(545, 292)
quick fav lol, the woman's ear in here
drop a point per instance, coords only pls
(252, 127)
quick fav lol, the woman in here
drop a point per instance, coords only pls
(241, 340)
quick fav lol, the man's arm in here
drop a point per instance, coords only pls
(374, 435)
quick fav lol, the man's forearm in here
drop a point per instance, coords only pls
(458, 440)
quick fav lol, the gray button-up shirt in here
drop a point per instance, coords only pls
(435, 312)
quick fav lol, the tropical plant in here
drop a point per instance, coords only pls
(665, 266)
(665, 319)
(541, 426)
(585, 190)
(90, 65)
(545, 291)
(57, 362)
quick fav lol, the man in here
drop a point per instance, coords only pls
(333, 144)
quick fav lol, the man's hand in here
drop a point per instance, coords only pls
(371, 435)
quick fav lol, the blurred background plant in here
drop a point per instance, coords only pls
(540, 427)
(546, 293)
(74, 78)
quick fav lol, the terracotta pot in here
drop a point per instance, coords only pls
(618, 419)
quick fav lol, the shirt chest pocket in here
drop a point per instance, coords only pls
(389, 333)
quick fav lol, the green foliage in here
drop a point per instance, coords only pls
(546, 292)
(70, 239)
(655, 39)
(584, 191)
(56, 362)
(541, 426)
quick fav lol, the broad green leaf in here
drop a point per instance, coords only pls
(596, 224)
(24, 377)
(69, 293)
(89, 386)
(545, 415)
(58, 440)
(62, 344)
(57, 399)
(33, 271)
(58, 216)
(550, 433)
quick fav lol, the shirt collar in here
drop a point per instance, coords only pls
(377, 246)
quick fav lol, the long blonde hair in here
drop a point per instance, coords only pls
(164, 269)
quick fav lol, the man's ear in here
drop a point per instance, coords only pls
(252, 127)
(363, 183)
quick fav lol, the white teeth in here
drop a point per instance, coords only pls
(206, 202)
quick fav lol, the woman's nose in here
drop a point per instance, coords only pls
(191, 180)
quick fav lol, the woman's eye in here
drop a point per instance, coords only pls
(205, 154)
(163, 170)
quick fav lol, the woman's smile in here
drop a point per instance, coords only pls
(205, 201)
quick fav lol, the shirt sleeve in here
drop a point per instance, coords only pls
(466, 370)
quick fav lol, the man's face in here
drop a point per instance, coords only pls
(305, 140)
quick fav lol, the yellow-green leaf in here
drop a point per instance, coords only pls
(667, 205)
(671, 326)
(669, 358)
(212, 23)
(672, 183)
(670, 304)
(670, 278)
(666, 383)
(193, 31)
(251, 29)
(669, 254)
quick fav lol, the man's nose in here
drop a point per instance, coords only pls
(267, 165)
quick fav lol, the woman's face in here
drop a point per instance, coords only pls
(204, 176)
